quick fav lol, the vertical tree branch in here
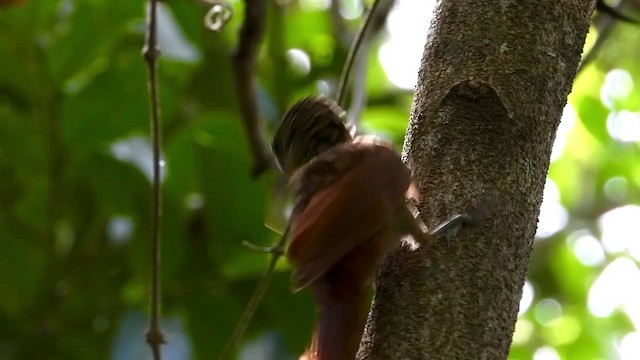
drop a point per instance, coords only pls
(356, 45)
(244, 61)
(277, 49)
(358, 91)
(492, 84)
(155, 337)
(338, 26)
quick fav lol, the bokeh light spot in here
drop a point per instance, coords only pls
(523, 331)
(621, 229)
(563, 330)
(630, 346)
(400, 55)
(546, 353)
(299, 61)
(617, 85)
(553, 216)
(350, 9)
(612, 289)
(547, 310)
(309, 5)
(528, 294)
(194, 201)
(136, 150)
(119, 229)
(588, 250)
(564, 129)
(616, 189)
(624, 125)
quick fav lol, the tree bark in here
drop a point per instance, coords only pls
(493, 81)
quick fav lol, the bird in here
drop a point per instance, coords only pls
(352, 207)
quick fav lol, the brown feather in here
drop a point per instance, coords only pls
(348, 212)
(343, 302)
(347, 202)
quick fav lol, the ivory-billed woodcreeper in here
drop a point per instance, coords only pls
(350, 210)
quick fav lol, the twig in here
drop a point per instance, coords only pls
(218, 15)
(356, 45)
(244, 63)
(276, 251)
(277, 49)
(358, 89)
(338, 24)
(155, 337)
(604, 31)
(615, 12)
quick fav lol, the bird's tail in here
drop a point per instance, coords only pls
(338, 329)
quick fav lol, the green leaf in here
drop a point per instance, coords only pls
(20, 274)
(113, 105)
(89, 34)
(388, 122)
(593, 115)
(235, 204)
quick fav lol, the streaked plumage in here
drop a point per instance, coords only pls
(313, 125)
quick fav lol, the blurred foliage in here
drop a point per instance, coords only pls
(74, 184)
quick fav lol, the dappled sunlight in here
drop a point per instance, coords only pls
(129, 343)
(616, 189)
(309, 5)
(194, 201)
(630, 346)
(617, 86)
(299, 61)
(553, 216)
(587, 249)
(615, 93)
(563, 330)
(76, 160)
(547, 310)
(546, 353)
(567, 122)
(400, 55)
(523, 331)
(136, 150)
(120, 229)
(613, 290)
(624, 125)
(350, 9)
(621, 230)
(528, 293)
(171, 39)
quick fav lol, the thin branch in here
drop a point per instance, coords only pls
(356, 45)
(615, 12)
(277, 49)
(155, 337)
(276, 251)
(358, 90)
(605, 27)
(339, 26)
(218, 15)
(244, 63)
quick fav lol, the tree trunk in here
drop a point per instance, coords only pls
(493, 81)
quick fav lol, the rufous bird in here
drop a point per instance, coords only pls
(350, 210)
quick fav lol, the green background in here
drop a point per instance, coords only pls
(75, 189)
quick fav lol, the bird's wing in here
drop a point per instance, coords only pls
(348, 212)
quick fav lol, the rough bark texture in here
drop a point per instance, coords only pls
(493, 82)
